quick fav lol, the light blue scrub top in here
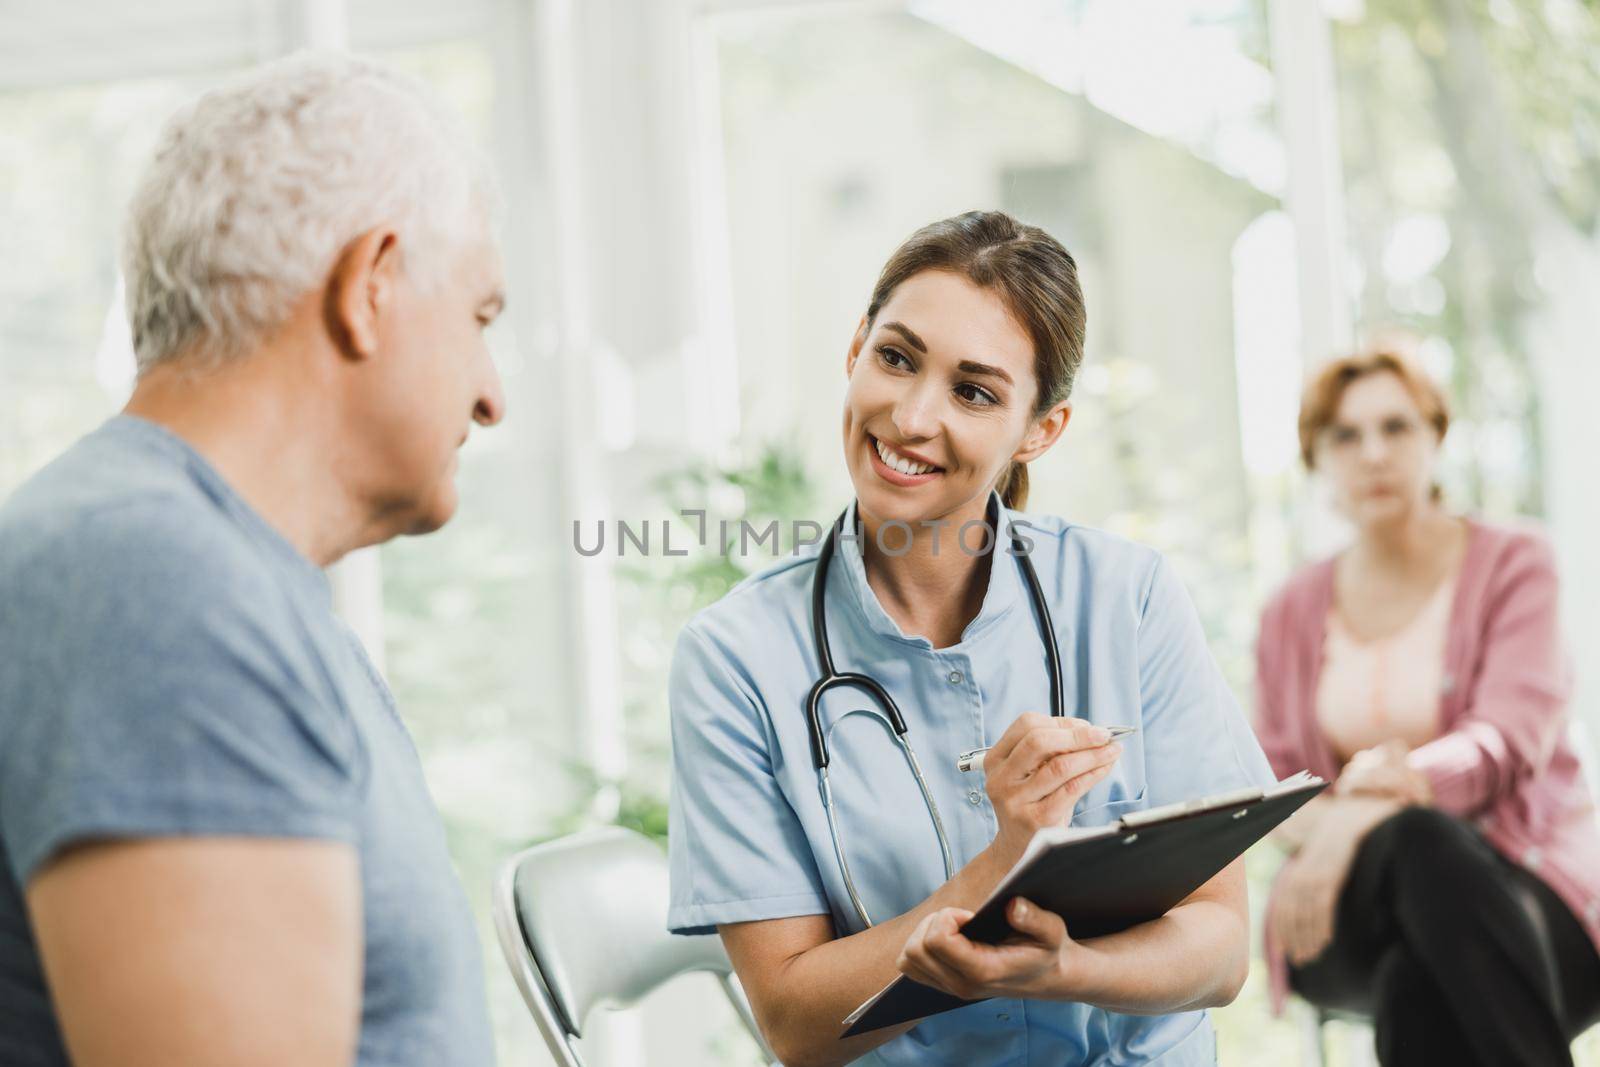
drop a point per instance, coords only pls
(748, 834)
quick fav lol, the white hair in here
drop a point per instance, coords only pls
(256, 187)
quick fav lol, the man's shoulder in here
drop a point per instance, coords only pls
(92, 527)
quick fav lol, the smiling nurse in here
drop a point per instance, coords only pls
(959, 374)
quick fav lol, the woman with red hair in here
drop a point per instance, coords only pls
(1449, 882)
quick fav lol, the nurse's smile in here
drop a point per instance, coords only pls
(899, 467)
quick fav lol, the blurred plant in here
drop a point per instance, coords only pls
(637, 808)
(771, 485)
(658, 594)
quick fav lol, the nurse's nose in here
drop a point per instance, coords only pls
(915, 416)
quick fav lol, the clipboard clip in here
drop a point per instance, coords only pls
(1135, 819)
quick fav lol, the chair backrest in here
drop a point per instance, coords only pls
(582, 922)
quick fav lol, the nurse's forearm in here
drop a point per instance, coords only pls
(802, 996)
(1195, 956)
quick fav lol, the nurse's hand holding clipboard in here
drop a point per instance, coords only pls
(1037, 772)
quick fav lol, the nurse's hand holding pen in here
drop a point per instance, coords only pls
(1036, 773)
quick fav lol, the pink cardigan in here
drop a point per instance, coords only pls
(1502, 758)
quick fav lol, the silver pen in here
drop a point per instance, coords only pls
(973, 761)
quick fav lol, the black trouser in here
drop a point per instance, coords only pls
(1460, 956)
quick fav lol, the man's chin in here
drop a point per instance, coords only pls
(434, 516)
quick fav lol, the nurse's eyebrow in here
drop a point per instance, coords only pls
(966, 366)
(905, 331)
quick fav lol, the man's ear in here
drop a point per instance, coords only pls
(855, 347)
(1044, 433)
(361, 287)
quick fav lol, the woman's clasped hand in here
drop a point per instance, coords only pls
(1304, 906)
(1374, 784)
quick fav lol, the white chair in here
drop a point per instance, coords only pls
(582, 921)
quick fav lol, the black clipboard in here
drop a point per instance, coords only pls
(1104, 879)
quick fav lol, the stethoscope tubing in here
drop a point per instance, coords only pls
(887, 710)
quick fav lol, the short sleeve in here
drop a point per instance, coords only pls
(738, 852)
(151, 688)
(1196, 739)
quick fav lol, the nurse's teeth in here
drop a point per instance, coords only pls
(899, 462)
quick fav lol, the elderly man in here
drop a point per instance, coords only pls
(216, 846)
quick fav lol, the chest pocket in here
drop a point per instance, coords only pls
(1123, 790)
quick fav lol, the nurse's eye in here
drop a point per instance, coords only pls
(976, 394)
(894, 358)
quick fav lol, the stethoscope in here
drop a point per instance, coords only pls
(887, 712)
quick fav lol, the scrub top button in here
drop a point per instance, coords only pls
(975, 797)
(955, 677)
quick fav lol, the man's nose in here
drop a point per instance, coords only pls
(491, 405)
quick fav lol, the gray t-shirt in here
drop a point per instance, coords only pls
(170, 665)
